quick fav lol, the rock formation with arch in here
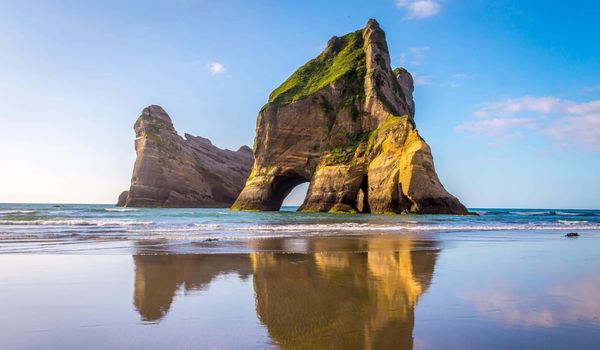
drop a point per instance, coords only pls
(345, 123)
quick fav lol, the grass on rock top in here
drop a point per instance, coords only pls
(343, 56)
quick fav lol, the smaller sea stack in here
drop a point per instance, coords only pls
(176, 172)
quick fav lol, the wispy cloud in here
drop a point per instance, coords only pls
(456, 80)
(567, 122)
(216, 68)
(500, 129)
(421, 80)
(513, 106)
(414, 56)
(589, 89)
(418, 9)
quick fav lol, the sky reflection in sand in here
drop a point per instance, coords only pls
(570, 301)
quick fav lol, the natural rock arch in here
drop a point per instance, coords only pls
(345, 122)
(280, 187)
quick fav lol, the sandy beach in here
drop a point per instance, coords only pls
(455, 291)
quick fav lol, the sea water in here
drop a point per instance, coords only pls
(80, 223)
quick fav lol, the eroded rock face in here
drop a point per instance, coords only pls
(345, 123)
(122, 199)
(172, 171)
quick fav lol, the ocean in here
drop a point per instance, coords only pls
(67, 223)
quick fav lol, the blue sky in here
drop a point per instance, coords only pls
(507, 95)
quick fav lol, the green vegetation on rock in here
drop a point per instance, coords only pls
(340, 155)
(344, 153)
(154, 137)
(166, 147)
(358, 137)
(337, 211)
(343, 57)
(399, 70)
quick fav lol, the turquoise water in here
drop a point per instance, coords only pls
(20, 222)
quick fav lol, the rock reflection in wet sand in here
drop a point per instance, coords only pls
(355, 293)
(158, 277)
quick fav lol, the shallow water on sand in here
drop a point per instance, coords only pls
(93, 277)
(357, 292)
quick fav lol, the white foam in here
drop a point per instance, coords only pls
(208, 226)
(17, 211)
(120, 209)
(360, 227)
(530, 213)
(74, 222)
(571, 222)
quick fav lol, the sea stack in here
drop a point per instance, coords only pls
(176, 172)
(345, 123)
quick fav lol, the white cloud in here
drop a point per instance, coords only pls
(500, 128)
(421, 80)
(417, 9)
(514, 106)
(414, 56)
(216, 68)
(567, 122)
(583, 129)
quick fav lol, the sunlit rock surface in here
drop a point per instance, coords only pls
(345, 123)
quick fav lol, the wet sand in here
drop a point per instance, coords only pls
(375, 291)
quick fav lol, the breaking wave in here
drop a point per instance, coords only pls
(120, 209)
(18, 211)
(572, 222)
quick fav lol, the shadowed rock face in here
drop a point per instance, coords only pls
(122, 199)
(172, 171)
(344, 122)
